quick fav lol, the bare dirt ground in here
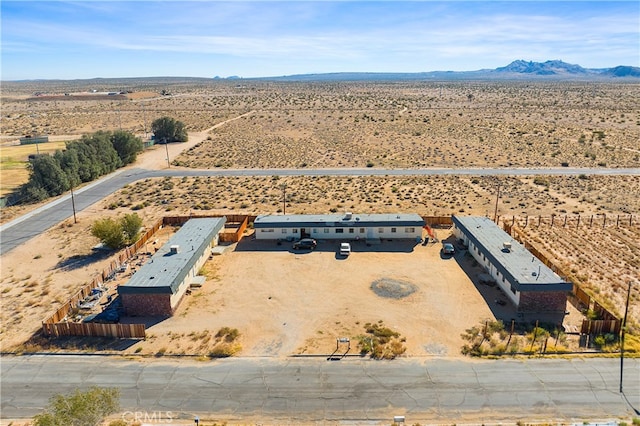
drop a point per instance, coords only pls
(285, 302)
(334, 125)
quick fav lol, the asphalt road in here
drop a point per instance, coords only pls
(353, 389)
(34, 223)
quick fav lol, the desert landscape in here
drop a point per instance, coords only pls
(321, 125)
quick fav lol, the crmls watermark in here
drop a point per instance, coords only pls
(157, 417)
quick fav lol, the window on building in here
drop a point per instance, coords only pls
(315, 230)
(339, 230)
(513, 289)
(268, 230)
(380, 230)
(409, 230)
(326, 230)
(393, 230)
(284, 231)
(362, 230)
(295, 231)
(351, 230)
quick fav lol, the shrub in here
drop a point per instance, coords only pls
(88, 408)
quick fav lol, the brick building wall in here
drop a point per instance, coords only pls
(542, 301)
(147, 304)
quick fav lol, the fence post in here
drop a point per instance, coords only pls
(565, 221)
(578, 224)
(535, 334)
(591, 221)
(604, 220)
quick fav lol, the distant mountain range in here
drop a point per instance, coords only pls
(516, 70)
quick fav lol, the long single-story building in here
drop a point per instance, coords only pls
(158, 287)
(345, 226)
(526, 281)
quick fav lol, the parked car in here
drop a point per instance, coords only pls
(305, 243)
(447, 248)
(345, 249)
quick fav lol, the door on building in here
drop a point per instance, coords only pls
(304, 233)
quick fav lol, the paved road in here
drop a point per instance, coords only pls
(38, 221)
(353, 389)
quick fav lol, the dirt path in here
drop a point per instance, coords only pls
(155, 158)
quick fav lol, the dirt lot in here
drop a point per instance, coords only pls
(285, 302)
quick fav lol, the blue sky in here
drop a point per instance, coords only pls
(86, 39)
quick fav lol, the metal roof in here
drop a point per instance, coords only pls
(525, 271)
(164, 272)
(337, 220)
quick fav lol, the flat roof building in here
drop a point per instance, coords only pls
(339, 226)
(160, 284)
(528, 283)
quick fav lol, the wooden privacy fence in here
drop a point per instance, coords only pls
(123, 331)
(582, 297)
(234, 237)
(600, 326)
(438, 220)
(602, 312)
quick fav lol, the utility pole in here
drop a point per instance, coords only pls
(495, 213)
(166, 147)
(144, 117)
(624, 325)
(73, 206)
(284, 198)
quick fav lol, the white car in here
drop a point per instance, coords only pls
(345, 249)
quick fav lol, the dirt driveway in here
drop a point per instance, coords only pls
(286, 302)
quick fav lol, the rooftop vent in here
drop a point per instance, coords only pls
(175, 249)
(506, 247)
(348, 215)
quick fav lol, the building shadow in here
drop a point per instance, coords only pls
(88, 345)
(363, 246)
(500, 305)
(149, 321)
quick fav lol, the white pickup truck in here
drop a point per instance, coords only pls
(345, 249)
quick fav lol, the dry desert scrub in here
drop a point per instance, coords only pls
(429, 124)
(428, 195)
(355, 124)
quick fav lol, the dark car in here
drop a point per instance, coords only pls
(447, 248)
(305, 243)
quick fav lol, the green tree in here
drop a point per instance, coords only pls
(117, 233)
(109, 232)
(47, 174)
(127, 145)
(131, 224)
(88, 408)
(107, 156)
(167, 129)
(70, 164)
